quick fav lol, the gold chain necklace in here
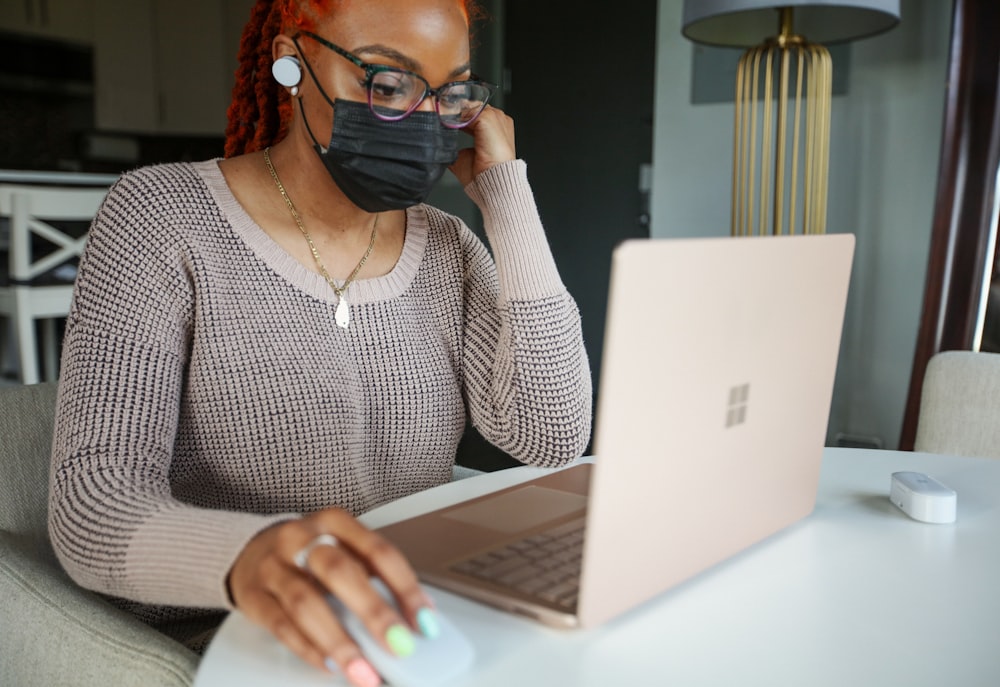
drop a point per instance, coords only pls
(342, 314)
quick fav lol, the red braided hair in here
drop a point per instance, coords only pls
(261, 109)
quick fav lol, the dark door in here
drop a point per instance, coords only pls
(580, 86)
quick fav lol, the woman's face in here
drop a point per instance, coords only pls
(428, 37)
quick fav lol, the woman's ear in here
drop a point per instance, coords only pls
(283, 45)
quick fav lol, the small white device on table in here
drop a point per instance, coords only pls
(923, 498)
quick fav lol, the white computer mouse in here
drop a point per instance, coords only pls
(434, 662)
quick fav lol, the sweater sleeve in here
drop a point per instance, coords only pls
(526, 371)
(112, 519)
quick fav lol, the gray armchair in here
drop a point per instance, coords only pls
(53, 632)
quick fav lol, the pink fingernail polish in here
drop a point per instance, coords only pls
(361, 673)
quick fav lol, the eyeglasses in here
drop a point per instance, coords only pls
(393, 93)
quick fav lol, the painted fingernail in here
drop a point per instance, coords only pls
(360, 673)
(428, 623)
(400, 640)
(331, 665)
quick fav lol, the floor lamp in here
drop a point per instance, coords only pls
(781, 141)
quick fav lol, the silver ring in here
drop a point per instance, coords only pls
(301, 558)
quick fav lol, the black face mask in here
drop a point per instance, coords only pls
(383, 165)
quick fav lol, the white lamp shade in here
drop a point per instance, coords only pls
(745, 23)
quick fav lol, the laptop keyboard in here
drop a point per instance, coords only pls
(545, 565)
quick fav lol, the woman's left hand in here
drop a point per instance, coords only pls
(493, 134)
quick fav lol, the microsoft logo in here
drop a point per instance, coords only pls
(739, 398)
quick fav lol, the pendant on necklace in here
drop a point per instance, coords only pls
(343, 314)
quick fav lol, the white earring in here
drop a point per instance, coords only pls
(295, 91)
(287, 71)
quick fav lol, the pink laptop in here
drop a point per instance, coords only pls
(715, 389)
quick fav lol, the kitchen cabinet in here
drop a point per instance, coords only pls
(166, 66)
(68, 20)
(190, 54)
(124, 67)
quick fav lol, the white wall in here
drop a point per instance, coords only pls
(885, 147)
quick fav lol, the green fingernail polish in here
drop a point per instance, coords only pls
(400, 641)
(428, 623)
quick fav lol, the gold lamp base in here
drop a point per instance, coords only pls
(781, 145)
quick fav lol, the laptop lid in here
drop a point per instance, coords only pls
(717, 376)
(716, 384)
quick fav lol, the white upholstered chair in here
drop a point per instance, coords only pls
(960, 405)
(52, 631)
(33, 216)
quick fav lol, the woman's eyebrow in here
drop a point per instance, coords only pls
(403, 60)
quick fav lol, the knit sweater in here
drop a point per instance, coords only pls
(207, 393)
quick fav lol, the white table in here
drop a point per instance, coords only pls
(855, 594)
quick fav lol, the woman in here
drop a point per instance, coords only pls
(262, 348)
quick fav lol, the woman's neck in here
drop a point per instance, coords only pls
(320, 203)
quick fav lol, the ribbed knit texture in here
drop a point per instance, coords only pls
(206, 391)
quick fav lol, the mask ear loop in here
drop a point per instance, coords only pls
(321, 149)
(312, 75)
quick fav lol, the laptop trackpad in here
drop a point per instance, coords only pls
(519, 510)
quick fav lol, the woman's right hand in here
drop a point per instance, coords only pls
(269, 588)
